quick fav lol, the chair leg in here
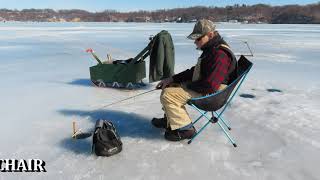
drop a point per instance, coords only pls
(200, 130)
(199, 118)
(210, 121)
(227, 134)
(222, 120)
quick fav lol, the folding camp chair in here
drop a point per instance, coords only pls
(213, 102)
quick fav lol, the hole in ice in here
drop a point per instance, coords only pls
(274, 90)
(247, 96)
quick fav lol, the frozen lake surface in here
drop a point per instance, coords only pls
(45, 86)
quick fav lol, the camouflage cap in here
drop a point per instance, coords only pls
(201, 28)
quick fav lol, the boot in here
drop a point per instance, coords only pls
(178, 135)
(159, 122)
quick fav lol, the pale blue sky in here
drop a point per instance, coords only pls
(133, 5)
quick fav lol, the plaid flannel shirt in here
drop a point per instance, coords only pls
(214, 71)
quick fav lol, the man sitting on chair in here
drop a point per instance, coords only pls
(213, 71)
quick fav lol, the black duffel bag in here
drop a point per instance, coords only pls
(106, 141)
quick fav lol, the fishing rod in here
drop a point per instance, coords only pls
(248, 48)
(78, 134)
(127, 98)
(247, 44)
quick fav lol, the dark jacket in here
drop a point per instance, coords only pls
(218, 66)
(161, 57)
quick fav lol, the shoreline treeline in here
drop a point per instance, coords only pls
(259, 13)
